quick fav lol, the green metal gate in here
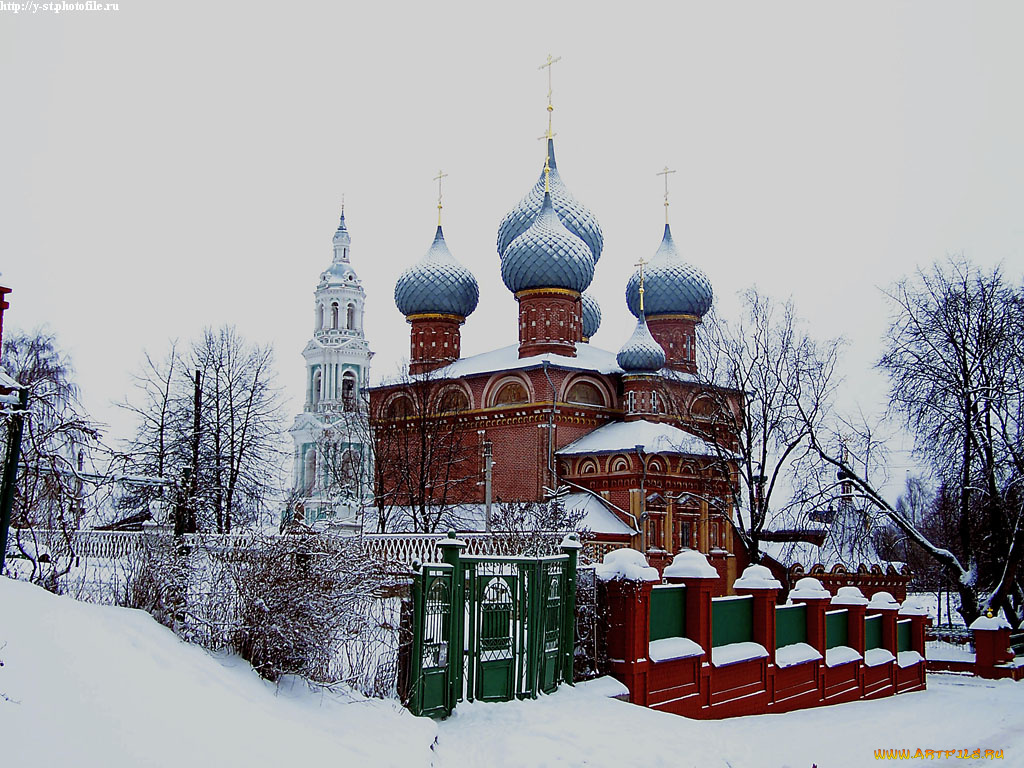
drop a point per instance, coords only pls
(512, 617)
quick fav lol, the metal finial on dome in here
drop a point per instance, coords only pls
(440, 175)
(665, 172)
(549, 64)
(642, 263)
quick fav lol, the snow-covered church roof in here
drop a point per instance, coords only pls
(653, 436)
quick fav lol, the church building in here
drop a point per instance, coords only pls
(624, 438)
(331, 468)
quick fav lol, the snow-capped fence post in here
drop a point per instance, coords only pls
(853, 600)
(626, 580)
(809, 592)
(451, 553)
(691, 568)
(883, 604)
(570, 546)
(991, 645)
(758, 582)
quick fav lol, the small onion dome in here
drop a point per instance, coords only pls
(437, 284)
(576, 218)
(547, 255)
(591, 315)
(641, 352)
(341, 236)
(671, 286)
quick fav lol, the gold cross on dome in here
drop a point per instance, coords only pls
(440, 175)
(641, 264)
(665, 172)
(549, 64)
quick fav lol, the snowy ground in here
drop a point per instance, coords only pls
(88, 685)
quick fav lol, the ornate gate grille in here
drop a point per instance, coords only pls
(512, 616)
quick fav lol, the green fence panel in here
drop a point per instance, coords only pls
(903, 636)
(790, 625)
(668, 611)
(872, 632)
(732, 620)
(837, 628)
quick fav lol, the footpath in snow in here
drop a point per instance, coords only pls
(85, 685)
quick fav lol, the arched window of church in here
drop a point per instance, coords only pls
(585, 393)
(309, 470)
(348, 391)
(317, 388)
(631, 401)
(320, 318)
(453, 400)
(588, 467)
(350, 317)
(511, 393)
(400, 408)
(620, 465)
(655, 407)
(334, 315)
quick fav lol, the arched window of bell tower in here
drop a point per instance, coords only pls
(317, 389)
(350, 317)
(334, 315)
(320, 317)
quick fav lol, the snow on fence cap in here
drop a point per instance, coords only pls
(809, 588)
(626, 564)
(690, 564)
(884, 601)
(849, 596)
(757, 577)
(990, 622)
(571, 541)
(914, 606)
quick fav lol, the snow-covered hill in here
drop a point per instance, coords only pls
(86, 685)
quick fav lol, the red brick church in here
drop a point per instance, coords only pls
(622, 435)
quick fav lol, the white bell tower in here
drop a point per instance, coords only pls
(331, 472)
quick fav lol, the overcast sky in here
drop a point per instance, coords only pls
(171, 166)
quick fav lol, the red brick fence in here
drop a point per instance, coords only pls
(680, 650)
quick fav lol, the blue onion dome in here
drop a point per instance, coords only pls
(437, 284)
(671, 286)
(547, 255)
(591, 315)
(641, 353)
(576, 218)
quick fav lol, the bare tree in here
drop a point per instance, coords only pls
(52, 491)
(209, 418)
(785, 380)
(955, 358)
(426, 464)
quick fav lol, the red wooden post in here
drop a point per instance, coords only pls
(629, 615)
(919, 620)
(883, 604)
(810, 592)
(853, 600)
(691, 568)
(758, 582)
(991, 644)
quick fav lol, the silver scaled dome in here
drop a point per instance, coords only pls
(671, 286)
(641, 353)
(547, 255)
(576, 218)
(591, 315)
(437, 284)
